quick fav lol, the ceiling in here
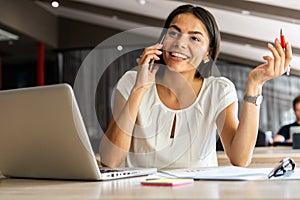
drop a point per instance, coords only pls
(246, 26)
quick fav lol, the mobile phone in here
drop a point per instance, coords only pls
(160, 41)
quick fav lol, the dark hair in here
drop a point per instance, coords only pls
(210, 24)
(295, 101)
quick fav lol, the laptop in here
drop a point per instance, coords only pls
(42, 135)
(294, 130)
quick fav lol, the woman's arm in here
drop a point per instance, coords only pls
(116, 141)
(239, 137)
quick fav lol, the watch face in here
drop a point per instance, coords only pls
(259, 100)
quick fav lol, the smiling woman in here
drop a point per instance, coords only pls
(183, 46)
(168, 117)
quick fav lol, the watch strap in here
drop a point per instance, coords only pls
(256, 100)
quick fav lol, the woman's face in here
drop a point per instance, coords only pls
(186, 43)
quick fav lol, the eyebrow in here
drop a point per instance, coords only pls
(190, 32)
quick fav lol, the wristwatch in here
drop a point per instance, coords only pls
(256, 100)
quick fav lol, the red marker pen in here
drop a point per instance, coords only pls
(282, 40)
(283, 45)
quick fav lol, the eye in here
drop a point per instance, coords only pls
(174, 34)
(195, 39)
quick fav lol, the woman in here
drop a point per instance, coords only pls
(169, 119)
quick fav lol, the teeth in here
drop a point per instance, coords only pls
(179, 55)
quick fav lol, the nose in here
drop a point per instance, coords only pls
(181, 42)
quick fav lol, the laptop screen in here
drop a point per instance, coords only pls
(42, 135)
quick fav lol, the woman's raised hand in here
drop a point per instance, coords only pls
(145, 76)
(275, 66)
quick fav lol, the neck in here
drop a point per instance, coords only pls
(178, 82)
(181, 86)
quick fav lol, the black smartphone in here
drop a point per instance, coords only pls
(160, 41)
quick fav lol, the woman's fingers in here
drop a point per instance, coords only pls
(155, 69)
(288, 59)
(146, 76)
(275, 65)
(145, 60)
(281, 57)
(288, 54)
(276, 57)
(150, 53)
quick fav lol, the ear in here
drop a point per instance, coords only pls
(206, 58)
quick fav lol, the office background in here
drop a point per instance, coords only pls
(71, 32)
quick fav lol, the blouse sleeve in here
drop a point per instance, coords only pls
(126, 83)
(227, 94)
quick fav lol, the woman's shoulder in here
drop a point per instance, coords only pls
(219, 81)
(129, 75)
(128, 78)
(126, 83)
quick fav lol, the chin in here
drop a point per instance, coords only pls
(180, 68)
(173, 68)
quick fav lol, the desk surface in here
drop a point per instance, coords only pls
(132, 189)
(265, 156)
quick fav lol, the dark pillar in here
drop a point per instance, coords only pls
(41, 65)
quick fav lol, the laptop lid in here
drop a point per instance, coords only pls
(294, 130)
(42, 135)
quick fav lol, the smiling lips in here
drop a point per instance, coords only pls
(179, 56)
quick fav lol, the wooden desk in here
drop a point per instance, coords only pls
(266, 156)
(25, 189)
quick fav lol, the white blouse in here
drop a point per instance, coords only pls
(194, 142)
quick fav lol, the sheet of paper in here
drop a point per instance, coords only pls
(224, 173)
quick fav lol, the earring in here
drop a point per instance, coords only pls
(206, 60)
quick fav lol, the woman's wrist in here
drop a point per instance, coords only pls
(138, 91)
(253, 88)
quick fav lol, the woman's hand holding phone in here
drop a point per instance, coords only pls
(145, 77)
